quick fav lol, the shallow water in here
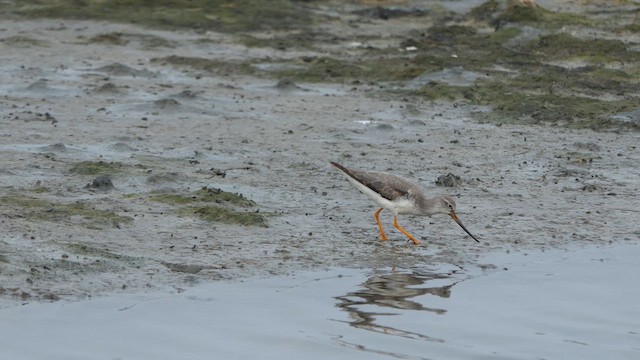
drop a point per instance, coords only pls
(579, 304)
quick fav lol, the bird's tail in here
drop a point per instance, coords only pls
(343, 169)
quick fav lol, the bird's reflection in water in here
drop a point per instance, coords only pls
(396, 291)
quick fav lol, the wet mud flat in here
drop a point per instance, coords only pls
(155, 156)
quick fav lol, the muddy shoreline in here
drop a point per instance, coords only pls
(197, 129)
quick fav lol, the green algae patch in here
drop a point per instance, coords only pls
(204, 195)
(216, 195)
(96, 168)
(544, 99)
(34, 209)
(500, 12)
(24, 202)
(176, 199)
(584, 97)
(462, 46)
(534, 70)
(214, 205)
(40, 189)
(220, 15)
(224, 215)
(565, 46)
(585, 80)
(571, 111)
(21, 41)
(123, 39)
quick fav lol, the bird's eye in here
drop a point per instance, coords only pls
(450, 206)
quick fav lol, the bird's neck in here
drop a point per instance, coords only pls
(426, 206)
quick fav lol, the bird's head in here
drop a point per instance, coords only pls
(447, 205)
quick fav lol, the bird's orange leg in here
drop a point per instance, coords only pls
(383, 236)
(397, 226)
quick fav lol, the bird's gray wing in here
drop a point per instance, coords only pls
(391, 187)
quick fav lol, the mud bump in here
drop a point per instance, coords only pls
(113, 38)
(97, 168)
(117, 69)
(167, 104)
(166, 178)
(122, 39)
(40, 85)
(185, 268)
(101, 183)
(213, 66)
(189, 94)
(107, 88)
(288, 85)
(57, 148)
(86, 250)
(122, 147)
(449, 180)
